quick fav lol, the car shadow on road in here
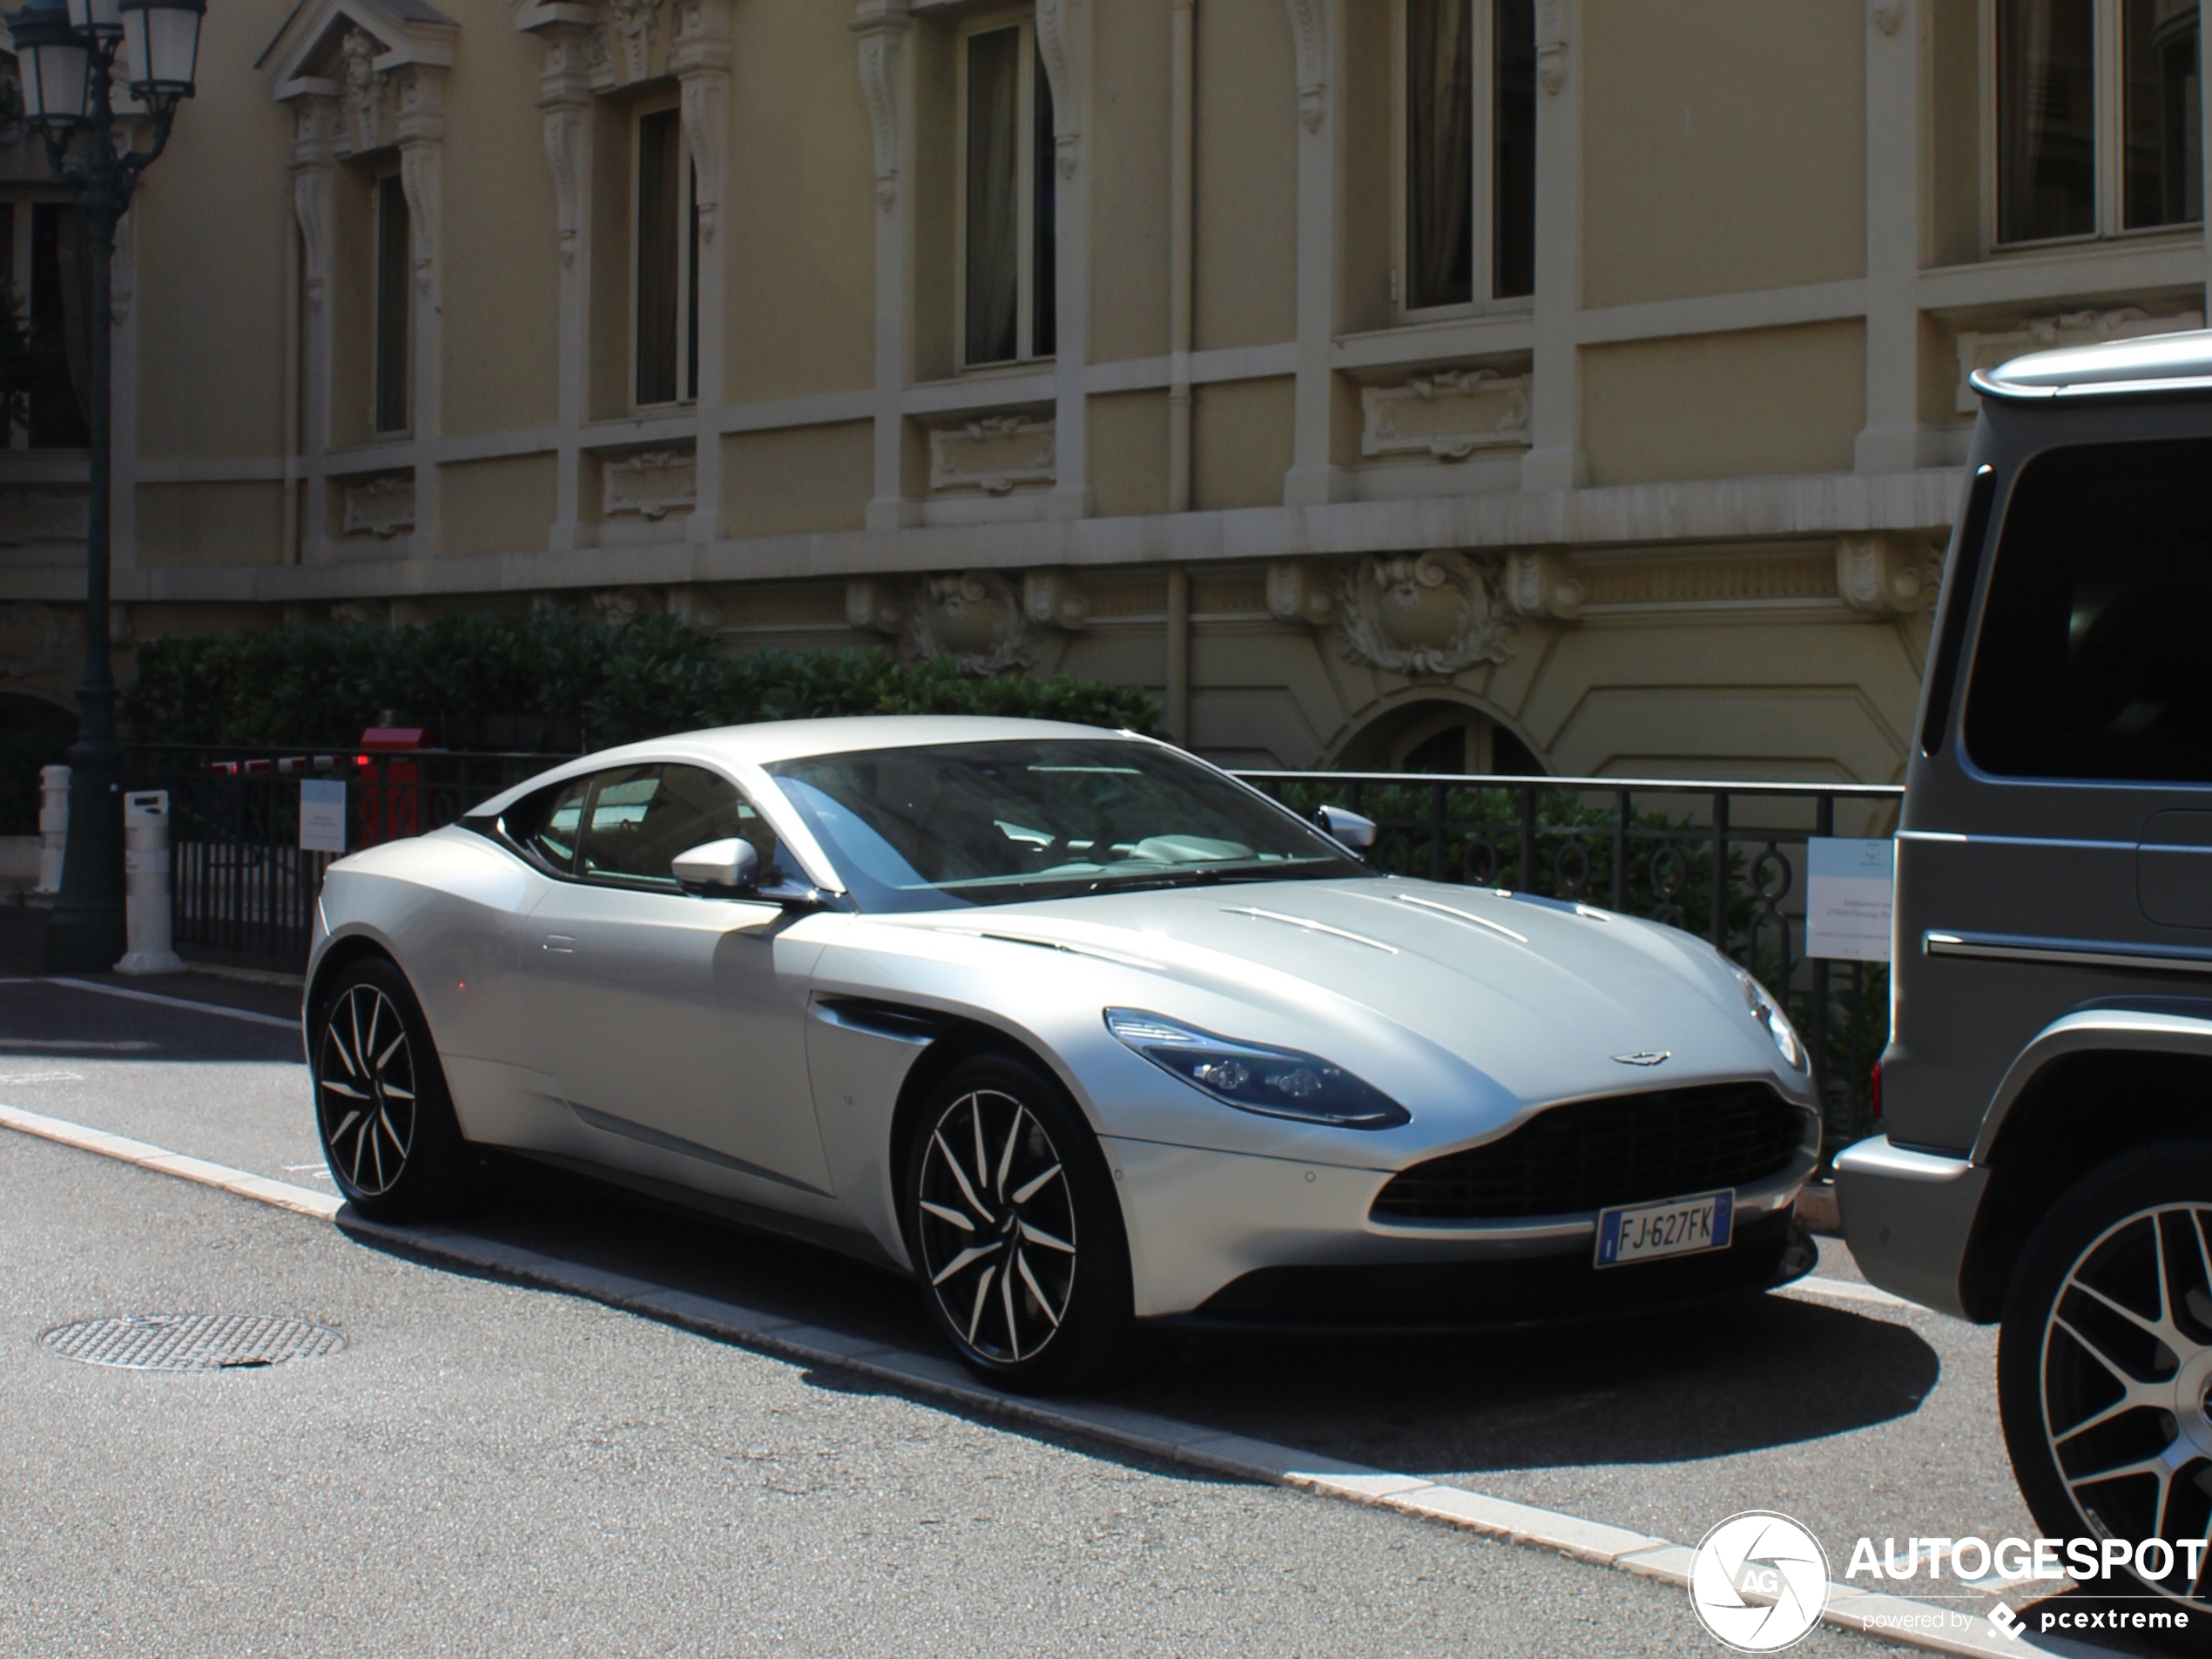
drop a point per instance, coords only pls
(1732, 1376)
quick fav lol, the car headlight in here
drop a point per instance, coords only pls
(1275, 1082)
(1768, 1013)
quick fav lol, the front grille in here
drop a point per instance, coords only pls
(1595, 1153)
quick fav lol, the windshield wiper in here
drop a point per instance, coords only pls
(1203, 877)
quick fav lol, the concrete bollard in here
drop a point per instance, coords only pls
(145, 884)
(53, 827)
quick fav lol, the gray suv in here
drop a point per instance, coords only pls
(2047, 1091)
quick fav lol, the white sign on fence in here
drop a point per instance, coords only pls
(322, 815)
(1849, 886)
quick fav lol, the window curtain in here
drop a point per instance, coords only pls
(1439, 151)
(993, 194)
(2046, 119)
(660, 199)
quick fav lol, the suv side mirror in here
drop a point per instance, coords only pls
(1348, 826)
(720, 869)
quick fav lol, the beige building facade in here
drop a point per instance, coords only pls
(1563, 384)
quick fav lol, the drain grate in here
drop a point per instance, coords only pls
(191, 1341)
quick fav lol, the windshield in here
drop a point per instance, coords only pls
(993, 823)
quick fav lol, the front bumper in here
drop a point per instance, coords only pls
(1907, 1217)
(1229, 1238)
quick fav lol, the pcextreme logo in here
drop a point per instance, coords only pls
(1759, 1581)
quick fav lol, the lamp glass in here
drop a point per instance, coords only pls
(164, 40)
(97, 17)
(61, 71)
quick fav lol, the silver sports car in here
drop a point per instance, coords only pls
(1075, 1028)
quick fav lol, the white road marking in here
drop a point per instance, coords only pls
(1846, 1289)
(44, 1077)
(260, 1188)
(1598, 1542)
(176, 1002)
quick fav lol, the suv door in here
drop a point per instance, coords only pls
(674, 1020)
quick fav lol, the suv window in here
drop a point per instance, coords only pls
(640, 817)
(2092, 661)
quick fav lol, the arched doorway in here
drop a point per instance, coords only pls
(1435, 736)
(33, 733)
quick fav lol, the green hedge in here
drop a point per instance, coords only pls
(614, 684)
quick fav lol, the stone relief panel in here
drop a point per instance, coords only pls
(649, 484)
(1055, 599)
(1999, 343)
(381, 506)
(1427, 613)
(1446, 415)
(1543, 585)
(994, 453)
(1301, 592)
(975, 617)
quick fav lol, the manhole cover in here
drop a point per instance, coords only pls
(191, 1341)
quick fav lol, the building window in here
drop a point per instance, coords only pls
(1470, 152)
(1009, 227)
(395, 304)
(2100, 122)
(667, 266)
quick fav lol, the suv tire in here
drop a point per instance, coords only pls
(2104, 1362)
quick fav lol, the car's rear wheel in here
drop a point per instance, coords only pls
(387, 1122)
(1012, 1226)
(2104, 1365)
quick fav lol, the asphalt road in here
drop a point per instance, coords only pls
(488, 1468)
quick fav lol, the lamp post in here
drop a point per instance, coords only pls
(66, 52)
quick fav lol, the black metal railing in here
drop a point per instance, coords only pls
(1724, 861)
(241, 887)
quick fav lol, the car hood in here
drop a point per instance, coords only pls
(1546, 999)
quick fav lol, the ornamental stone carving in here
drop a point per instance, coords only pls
(1551, 45)
(1446, 414)
(1055, 599)
(1987, 347)
(975, 617)
(364, 90)
(650, 484)
(1301, 592)
(874, 606)
(630, 35)
(1887, 576)
(1543, 585)
(1053, 36)
(1426, 613)
(381, 506)
(993, 453)
(1309, 41)
(881, 25)
(1887, 15)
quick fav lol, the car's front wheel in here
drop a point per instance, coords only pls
(388, 1128)
(2104, 1365)
(1014, 1228)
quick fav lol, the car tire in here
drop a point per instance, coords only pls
(2117, 1282)
(1014, 1228)
(382, 1110)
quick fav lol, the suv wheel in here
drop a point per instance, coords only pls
(1014, 1228)
(2104, 1365)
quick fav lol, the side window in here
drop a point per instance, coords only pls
(2091, 661)
(641, 818)
(545, 824)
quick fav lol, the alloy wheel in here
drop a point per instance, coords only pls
(2127, 1385)
(365, 1087)
(997, 1227)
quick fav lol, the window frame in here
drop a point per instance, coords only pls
(687, 253)
(1027, 160)
(798, 878)
(1482, 171)
(386, 184)
(2108, 81)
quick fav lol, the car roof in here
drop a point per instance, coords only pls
(771, 741)
(2151, 365)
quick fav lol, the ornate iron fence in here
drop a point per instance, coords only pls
(1724, 861)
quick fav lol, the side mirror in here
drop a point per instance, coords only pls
(720, 869)
(1355, 832)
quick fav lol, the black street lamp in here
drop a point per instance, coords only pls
(67, 54)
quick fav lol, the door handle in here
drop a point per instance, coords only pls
(560, 944)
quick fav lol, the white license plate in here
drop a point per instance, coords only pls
(1643, 1232)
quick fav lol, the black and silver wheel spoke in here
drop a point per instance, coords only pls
(365, 1079)
(2126, 1384)
(997, 1227)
